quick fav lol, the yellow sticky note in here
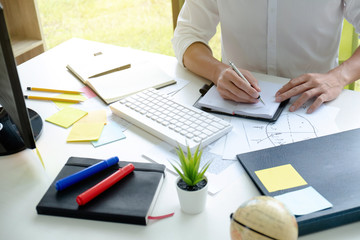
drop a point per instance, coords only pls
(97, 116)
(280, 178)
(71, 96)
(66, 117)
(84, 132)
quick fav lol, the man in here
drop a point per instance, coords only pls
(297, 39)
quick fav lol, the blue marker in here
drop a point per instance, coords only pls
(87, 172)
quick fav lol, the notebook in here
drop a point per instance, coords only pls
(112, 87)
(211, 101)
(131, 200)
(113, 78)
(97, 64)
(329, 164)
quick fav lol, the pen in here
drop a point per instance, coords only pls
(243, 77)
(93, 192)
(53, 99)
(52, 90)
(87, 172)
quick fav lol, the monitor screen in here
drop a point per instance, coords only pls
(19, 126)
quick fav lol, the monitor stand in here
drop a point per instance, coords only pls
(10, 139)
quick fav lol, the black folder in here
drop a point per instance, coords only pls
(330, 164)
(130, 200)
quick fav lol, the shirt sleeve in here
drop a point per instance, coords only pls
(197, 22)
(352, 13)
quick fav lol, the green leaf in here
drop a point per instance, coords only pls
(189, 165)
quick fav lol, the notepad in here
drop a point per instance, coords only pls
(212, 101)
(112, 77)
(85, 132)
(112, 132)
(96, 64)
(304, 201)
(66, 117)
(112, 87)
(280, 178)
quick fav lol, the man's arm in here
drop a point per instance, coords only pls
(324, 87)
(198, 58)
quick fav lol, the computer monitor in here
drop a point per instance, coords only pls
(19, 126)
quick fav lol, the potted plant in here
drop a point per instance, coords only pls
(192, 183)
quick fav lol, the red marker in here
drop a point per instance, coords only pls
(93, 192)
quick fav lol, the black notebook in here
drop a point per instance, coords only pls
(211, 101)
(330, 164)
(131, 200)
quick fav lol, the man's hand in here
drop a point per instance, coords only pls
(322, 87)
(233, 87)
(198, 58)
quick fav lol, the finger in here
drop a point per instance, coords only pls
(239, 96)
(305, 87)
(301, 100)
(244, 86)
(252, 80)
(316, 104)
(291, 84)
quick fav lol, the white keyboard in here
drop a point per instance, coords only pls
(173, 122)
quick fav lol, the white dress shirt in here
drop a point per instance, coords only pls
(279, 37)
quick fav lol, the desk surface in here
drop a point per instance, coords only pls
(23, 181)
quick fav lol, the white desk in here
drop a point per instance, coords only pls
(23, 181)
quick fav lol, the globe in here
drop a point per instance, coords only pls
(261, 218)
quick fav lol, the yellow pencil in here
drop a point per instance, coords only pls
(53, 99)
(52, 90)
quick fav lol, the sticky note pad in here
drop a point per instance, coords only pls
(280, 178)
(304, 201)
(66, 117)
(97, 116)
(112, 132)
(84, 132)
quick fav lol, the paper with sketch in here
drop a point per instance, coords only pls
(250, 135)
(215, 102)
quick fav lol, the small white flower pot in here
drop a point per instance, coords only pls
(192, 202)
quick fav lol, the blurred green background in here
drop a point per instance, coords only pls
(140, 24)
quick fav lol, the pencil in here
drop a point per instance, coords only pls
(53, 99)
(52, 90)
